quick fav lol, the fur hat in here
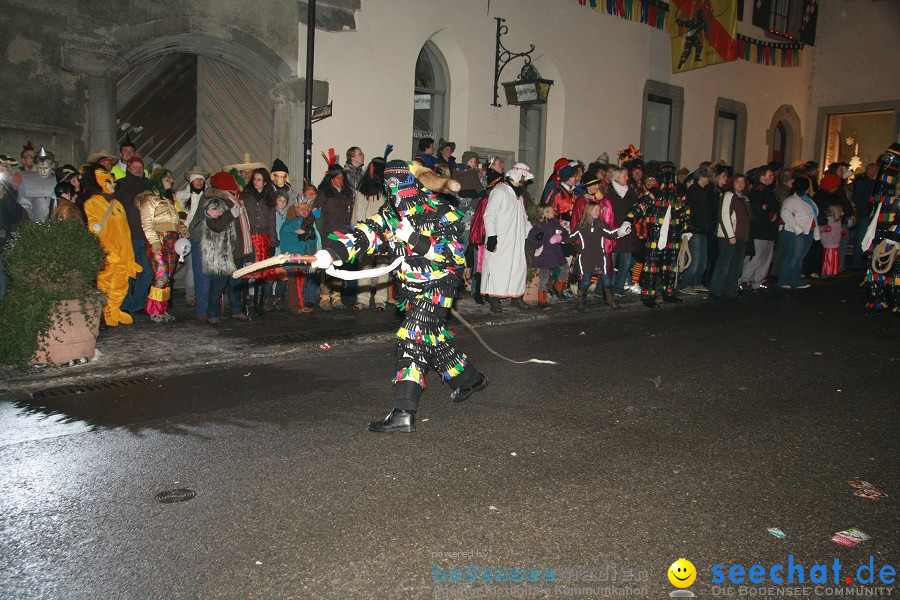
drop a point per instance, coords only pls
(224, 181)
(431, 180)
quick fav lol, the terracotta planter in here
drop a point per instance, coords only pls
(71, 336)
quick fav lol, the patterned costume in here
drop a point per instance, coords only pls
(884, 288)
(432, 257)
(666, 216)
(115, 237)
(162, 226)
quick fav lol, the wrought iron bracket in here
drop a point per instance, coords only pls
(502, 57)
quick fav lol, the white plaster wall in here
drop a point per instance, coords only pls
(599, 63)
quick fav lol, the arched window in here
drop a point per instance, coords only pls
(430, 99)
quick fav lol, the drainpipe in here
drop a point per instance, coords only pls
(310, 53)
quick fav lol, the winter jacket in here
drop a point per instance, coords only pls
(763, 213)
(830, 233)
(697, 200)
(799, 216)
(127, 189)
(620, 207)
(547, 255)
(734, 217)
(593, 258)
(260, 214)
(336, 208)
(158, 215)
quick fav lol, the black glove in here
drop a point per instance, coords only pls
(491, 243)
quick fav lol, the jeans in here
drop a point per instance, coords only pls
(201, 279)
(795, 249)
(232, 289)
(139, 287)
(724, 280)
(694, 273)
(622, 263)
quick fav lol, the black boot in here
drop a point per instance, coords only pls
(649, 302)
(609, 298)
(258, 299)
(672, 298)
(495, 304)
(581, 304)
(476, 289)
(519, 302)
(401, 421)
(479, 382)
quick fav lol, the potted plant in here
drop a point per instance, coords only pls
(52, 311)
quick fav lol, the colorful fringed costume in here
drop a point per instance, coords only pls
(162, 227)
(665, 215)
(433, 256)
(884, 288)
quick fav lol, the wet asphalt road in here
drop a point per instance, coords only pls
(683, 431)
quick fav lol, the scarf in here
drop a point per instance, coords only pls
(621, 190)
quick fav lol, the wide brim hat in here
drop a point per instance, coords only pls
(635, 163)
(100, 155)
(196, 171)
(248, 165)
(590, 179)
(444, 143)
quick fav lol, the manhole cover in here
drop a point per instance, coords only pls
(176, 495)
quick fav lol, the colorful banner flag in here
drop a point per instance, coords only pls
(762, 14)
(704, 32)
(808, 22)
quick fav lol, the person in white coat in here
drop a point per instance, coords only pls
(505, 229)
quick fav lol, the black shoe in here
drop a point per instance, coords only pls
(649, 302)
(402, 421)
(495, 305)
(460, 394)
(673, 299)
(478, 298)
(520, 303)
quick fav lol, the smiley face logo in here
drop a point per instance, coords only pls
(682, 573)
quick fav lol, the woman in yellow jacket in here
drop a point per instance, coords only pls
(106, 218)
(162, 226)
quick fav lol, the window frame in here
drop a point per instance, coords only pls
(739, 111)
(674, 95)
(442, 89)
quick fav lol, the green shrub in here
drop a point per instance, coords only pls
(48, 262)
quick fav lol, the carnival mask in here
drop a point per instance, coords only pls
(279, 178)
(105, 180)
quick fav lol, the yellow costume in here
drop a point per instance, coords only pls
(115, 237)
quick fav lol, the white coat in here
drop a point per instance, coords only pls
(503, 271)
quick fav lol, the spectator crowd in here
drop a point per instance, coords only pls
(619, 227)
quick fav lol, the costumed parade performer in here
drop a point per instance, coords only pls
(163, 228)
(666, 217)
(107, 220)
(423, 232)
(882, 240)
